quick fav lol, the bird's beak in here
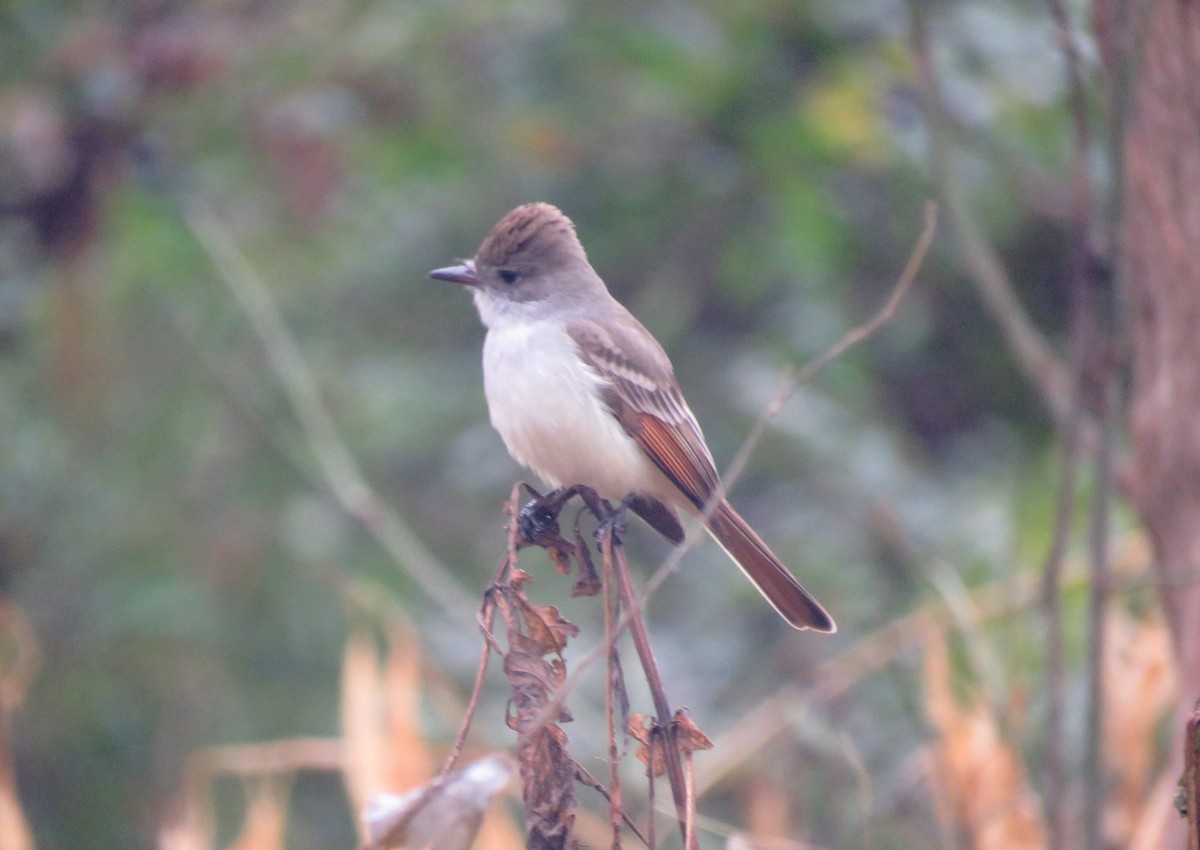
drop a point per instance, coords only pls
(463, 273)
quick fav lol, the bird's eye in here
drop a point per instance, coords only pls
(508, 276)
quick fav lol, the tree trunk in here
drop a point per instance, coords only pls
(1160, 232)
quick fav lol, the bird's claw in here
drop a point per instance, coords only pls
(614, 524)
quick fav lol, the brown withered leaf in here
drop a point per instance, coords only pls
(589, 580)
(534, 681)
(266, 816)
(380, 714)
(519, 578)
(548, 787)
(643, 729)
(687, 734)
(1139, 683)
(639, 728)
(976, 775)
(445, 813)
(560, 552)
(548, 628)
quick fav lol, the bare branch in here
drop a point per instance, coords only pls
(1095, 790)
(1032, 351)
(341, 471)
(795, 378)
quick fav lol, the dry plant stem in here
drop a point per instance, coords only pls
(689, 777)
(1081, 346)
(342, 473)
(794, 378)
(1096, 788)
(615, 809)
(590, 781)
(1054, 774)
(1191, 779)
(394, 836)
(487, 620)
(250, 761)
(1030, 348)
(533, 633)
(651, 806)
(835, 677)
(641, 643)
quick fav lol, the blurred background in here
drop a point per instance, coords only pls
(243, 437)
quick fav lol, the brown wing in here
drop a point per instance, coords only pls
(642, 394)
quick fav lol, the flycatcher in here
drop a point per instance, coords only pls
(582, 393)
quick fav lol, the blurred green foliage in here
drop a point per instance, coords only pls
(748, 176)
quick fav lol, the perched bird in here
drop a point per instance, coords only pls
(582, 393)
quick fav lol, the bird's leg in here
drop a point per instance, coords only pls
(538, 518)
(612, 520)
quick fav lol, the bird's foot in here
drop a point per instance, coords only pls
(613, 524)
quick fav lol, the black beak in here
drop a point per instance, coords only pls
(463, 273)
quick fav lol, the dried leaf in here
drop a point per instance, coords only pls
(408, 757)
(499, 832)
(976, 775)
(177, 836)
(548, 629)
(534, 681)
(266, 816)
(687, 734)
(644, 730)
(548, 787)
(21, 660)
(361, 730)
(1139, 688)
(589, 580)
(445, 814)
(560, 552)
(14, 829)
(385, 746)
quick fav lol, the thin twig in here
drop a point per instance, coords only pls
(341, 472)
(590, 781)
(487, 621)
(689, 782)
(612, 607)
(794, 378)
(836, 676)
(1030, 348)
(1054, 781)
(1081, 345)
(641, 643)
(1096, 789)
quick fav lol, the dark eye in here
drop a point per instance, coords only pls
(508, 276)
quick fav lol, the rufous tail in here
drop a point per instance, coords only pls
(773, 580)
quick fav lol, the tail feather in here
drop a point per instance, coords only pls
(769, 575)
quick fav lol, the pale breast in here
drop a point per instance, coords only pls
(543, 401)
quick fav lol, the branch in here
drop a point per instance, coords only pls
(1073, 428)
(1032, 351)
(342, 473)
(794, 378)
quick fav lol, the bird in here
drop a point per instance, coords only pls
(582, 393)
